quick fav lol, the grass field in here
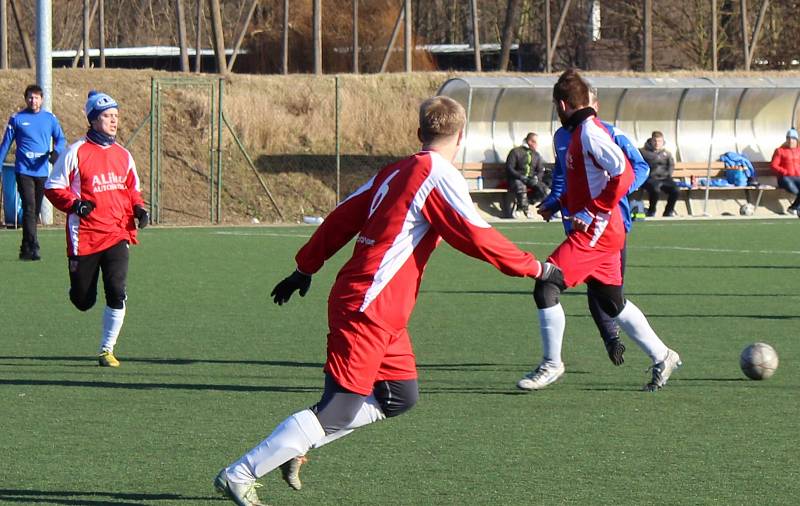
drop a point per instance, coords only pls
(210, 366)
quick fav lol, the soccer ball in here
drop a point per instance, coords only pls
(747, 209)
(758, 361)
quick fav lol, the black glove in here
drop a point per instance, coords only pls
(53, 156)
(82, 208)
(296, 281)
(552, 274)
(531, 180)
(142, 216)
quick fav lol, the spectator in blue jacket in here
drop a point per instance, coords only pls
(609, 330)
(39, 139)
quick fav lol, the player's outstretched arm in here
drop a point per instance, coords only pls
(296, 281)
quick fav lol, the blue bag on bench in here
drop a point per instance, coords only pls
(744, 173)
(736, 177)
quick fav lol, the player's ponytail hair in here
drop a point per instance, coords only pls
(440, 117)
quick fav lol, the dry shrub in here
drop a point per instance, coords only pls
(376, 21)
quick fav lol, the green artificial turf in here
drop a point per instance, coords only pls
(210, 366)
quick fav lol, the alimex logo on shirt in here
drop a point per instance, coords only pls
(108, 181)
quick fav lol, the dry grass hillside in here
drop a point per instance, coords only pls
(285, 122)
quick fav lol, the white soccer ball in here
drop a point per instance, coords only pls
(747, 209)
(758, 361)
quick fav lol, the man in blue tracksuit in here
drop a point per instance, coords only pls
(609, 330)
(33, 130)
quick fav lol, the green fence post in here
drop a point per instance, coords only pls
(219, 149)
(211, 188)
(152, 145)
(338, 152)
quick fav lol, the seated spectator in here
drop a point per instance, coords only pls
(786, 165)
(524, 171)
(662, 164)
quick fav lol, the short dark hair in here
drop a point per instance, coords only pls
(440, 117)
(657, 134)
(531, 135)
(572, 89)
(33, 88)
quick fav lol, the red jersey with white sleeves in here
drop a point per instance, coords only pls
(400, 216)
(106, 176)
(598, 176)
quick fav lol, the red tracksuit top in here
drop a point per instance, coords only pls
(598, 176)
(400, 216)
(105, 175)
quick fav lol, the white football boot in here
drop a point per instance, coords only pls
(243, 494)
(290, 471)
(663, 370)
(542, 376)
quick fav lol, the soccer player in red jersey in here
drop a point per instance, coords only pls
(398, 218)
(598, 175)
(96, 184)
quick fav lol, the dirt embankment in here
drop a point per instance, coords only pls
(286, 123)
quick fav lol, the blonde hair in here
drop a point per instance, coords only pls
(440, 117)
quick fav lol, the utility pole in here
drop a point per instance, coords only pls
(317, 36)
(285, 42)
(86, 24)
(714, 49)
(198, 45)
(647, 36)
(355, 36)
(476, 39)
(182, 35)
(44, 71)
(219, 39)
(101, 33)
(745, 45)
(407, 31)
(548, 36)
(3, 34)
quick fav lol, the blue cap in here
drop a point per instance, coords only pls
(97, 103)
(791, 134)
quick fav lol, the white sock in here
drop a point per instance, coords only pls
(370, 412)
(293, 437)
(112, 324)
(552, 323)
(635, 324)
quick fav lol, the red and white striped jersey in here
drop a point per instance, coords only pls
(400, 216)
(598, 176)
(106, 176)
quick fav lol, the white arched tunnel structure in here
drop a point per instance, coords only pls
(701, 118)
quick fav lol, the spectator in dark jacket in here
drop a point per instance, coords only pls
(662, 164)
(524, 170)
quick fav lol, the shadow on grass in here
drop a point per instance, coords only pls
(582, 293)
(73, 497)
(169, 361)
(160, 386)
(711, 266)
(732, 315)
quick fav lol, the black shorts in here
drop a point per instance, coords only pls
(84, 272)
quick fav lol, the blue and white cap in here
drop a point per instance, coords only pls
(791, 134)
(97, 103)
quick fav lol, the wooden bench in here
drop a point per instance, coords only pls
(493, 177)
(493, 181)
(488, 185)
(691, 173)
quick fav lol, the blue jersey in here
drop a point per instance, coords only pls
(641, 170)
(33, 133)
